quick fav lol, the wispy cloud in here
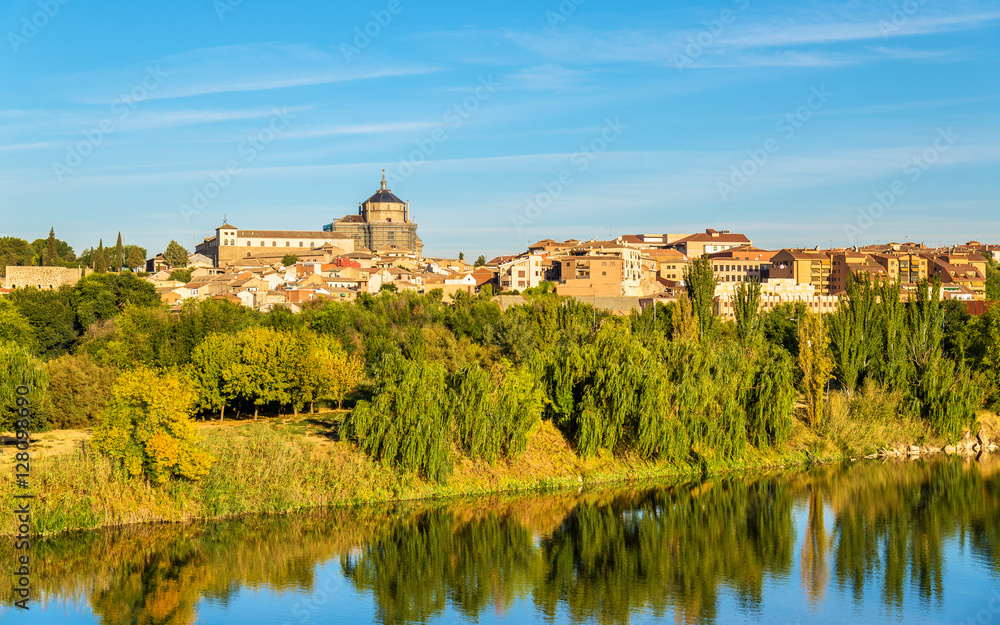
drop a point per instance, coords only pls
(233, 69)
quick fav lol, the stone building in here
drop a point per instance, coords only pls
(45, 278)
(231, 245)
(382, 220)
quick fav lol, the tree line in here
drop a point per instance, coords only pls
(427, 380)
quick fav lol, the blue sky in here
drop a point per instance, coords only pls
(502, 123)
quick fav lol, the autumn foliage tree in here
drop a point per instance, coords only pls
(147, 427)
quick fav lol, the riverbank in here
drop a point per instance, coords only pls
(289, 464)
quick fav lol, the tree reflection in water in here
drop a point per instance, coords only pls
(600, 556)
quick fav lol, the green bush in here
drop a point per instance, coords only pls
(79, 389)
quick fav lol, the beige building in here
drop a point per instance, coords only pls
(383, 220)
(804, 267)
(742, 264)
(709, 242)
(45, 278)
(601, 269)
(232, 246)
(521, 272)
(774, 292)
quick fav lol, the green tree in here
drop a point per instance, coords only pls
(747, 309)
(15, 252)
(213, 364)
(100, 258)
(993, 281)
(51, 254)
(461, 257)
(181, 275)
(481, 261)
(855, 339)
(406, 424)
(14, 327)
(289, 260)
(79, 389)
(119, 259)
(147, 427)
(100, 297)
(135, 257)
(51, 317)
(815, 363)
(175, 255)
(700, 282)
(19, 367)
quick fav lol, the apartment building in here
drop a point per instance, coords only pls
(709, 242)
(813, 267)
(601, 269)
(742, 264)
(520, 272)
(774, 292)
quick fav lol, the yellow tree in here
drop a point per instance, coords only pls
(815, 362)
(147, 426)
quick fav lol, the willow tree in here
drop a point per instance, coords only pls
(700, 282)
(815, 363)
(407, 423)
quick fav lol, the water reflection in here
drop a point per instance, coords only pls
(828, 534)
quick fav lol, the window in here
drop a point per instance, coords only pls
(604, 273)
(226, 242)
(262, 244)
(274, 244)
(249, 244)
(604, 264)
(287, 244)
(301, 243)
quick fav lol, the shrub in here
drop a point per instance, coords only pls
(147, 427)
(79, 390)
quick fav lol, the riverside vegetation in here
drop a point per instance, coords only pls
(890, 535)
(444, 399)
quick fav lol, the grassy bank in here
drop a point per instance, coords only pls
(283, 465)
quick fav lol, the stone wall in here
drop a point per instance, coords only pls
(46, 278)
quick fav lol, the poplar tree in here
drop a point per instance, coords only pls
(815, 363)
(747, 309)
(700, 283)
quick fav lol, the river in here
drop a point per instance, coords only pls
(901, 542)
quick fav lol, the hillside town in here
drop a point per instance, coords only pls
(378, 249)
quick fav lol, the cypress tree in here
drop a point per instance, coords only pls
(119, 255)
(52, 256)
(100, 262)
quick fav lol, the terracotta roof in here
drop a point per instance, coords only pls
(714, 235)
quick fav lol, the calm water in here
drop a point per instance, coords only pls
(912, 542)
